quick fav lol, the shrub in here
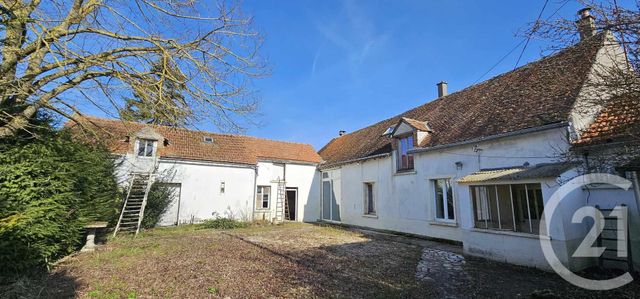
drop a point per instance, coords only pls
(50, 188)
(158, 201)
(223, 223)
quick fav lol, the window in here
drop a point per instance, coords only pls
(369, 201)
(262, 197)
(389, 131)
(207, 139)
(145, 148)
(405, 160)
(508, 207)
(444, 200)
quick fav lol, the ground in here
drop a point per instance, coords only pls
(295, 260)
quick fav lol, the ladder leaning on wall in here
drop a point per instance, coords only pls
(282, 207)
(135, 202)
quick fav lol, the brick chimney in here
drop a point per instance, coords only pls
(442, 89)
(586, 24)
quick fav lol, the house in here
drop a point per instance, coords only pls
(478, 166)
(215, 174)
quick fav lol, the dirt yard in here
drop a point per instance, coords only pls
(295, 261)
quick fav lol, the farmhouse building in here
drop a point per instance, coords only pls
(479, 165)
(215, 174)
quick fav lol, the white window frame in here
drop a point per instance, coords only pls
(447, 219)
(373, 198)
(260, 192)
(140, 142)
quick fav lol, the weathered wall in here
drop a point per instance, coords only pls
(200, 182)
(405, 201)
(201, 196)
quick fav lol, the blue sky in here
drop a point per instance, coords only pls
(343, 65)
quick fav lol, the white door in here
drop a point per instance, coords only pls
(170, 216)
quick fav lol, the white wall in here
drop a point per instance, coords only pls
(201, 197)
(200, 182)
(405, 201)
(297, 175)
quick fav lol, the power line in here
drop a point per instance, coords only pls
(520, 43)
(500, 61)
(536, 24)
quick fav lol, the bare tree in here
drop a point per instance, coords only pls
(62, 56)
(615, 87)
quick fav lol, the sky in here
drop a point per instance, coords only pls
(344, 65)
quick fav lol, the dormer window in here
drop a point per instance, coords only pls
(405, 159)
(145, 147)
(207, 139)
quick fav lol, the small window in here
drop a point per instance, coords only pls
(262, 197)
(405, 160)
(207, 139)
(445, 209)
(325, 175)
(388, 131)
(145, 148)
(369, 199)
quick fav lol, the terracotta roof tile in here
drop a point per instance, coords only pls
(416, 124)
(189, 144)
(533, 95)
(619, 121)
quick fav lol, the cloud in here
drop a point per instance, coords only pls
(353, 32)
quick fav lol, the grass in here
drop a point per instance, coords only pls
(294, 260)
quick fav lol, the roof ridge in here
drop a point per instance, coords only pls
(601, 35)
(190, 130)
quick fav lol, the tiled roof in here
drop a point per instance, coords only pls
(619, 121)
(190, 145)
(416, 124)
(533, 95)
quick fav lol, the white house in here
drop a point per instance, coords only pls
(216, 174)
(478, 166)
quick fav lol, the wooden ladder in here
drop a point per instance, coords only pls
(282, 208)
(609, 234)
(134, 204)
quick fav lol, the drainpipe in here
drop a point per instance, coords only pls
(255, 187)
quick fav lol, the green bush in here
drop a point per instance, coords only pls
(50, 187)
(223, 223)
(158, 201)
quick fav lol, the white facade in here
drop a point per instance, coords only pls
(206, 190)
(405, 201)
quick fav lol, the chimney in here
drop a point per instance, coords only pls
(341, 132)
(586, 24)
(442, 89)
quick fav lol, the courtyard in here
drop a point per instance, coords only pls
(294, 260)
